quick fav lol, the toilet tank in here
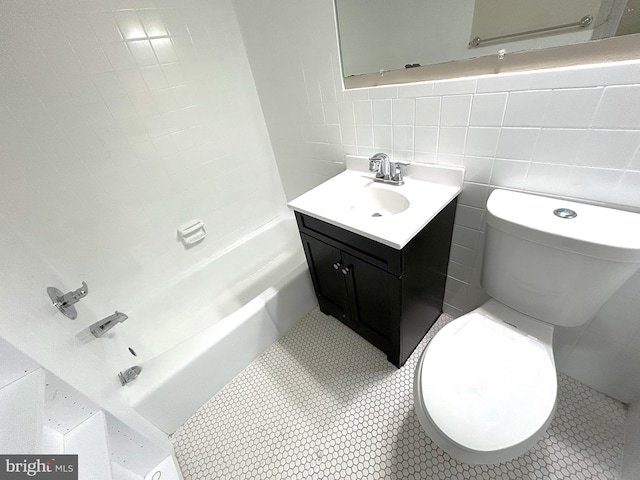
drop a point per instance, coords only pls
(557, 267)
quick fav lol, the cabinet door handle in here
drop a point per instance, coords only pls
(345, 270)
(337, 265)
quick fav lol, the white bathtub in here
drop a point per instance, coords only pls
(193, 338)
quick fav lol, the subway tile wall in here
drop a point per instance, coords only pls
(572, 133)
(120, 121)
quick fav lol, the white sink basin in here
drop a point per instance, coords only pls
(389, 214)
(377, 202)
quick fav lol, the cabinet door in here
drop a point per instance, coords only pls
(325, 265)
(374, 297)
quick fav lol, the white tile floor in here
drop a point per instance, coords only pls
(323, 403)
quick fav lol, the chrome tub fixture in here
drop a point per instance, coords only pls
(129, 375)
(65, 301)
(103, 326)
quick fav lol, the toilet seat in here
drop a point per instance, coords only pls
(485, 390)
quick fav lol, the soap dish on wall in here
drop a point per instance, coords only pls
(192, 232)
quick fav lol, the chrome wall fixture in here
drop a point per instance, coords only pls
(103, 326)
(583, 22)
(65, 301)
(129, 375)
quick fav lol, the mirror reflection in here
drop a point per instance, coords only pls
(382, 35)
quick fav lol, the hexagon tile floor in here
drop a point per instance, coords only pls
(322, 403)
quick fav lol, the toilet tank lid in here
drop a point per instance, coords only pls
(594, 231)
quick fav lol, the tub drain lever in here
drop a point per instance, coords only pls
(129, 375)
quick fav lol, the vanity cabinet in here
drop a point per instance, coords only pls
(388, 296)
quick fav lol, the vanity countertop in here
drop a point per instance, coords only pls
(389, 214)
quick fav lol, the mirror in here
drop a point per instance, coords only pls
(414, 38)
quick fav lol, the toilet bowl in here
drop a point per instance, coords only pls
(485, 386)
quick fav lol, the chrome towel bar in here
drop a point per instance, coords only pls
(583, 22)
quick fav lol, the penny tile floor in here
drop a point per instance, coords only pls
(322, 403)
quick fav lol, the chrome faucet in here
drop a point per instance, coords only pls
(103, 326)
(386, 171)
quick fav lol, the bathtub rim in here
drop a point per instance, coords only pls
(144, 394)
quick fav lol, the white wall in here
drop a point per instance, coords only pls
(30, 323)
(573, 133)
(119, 121)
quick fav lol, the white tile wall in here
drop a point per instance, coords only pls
(30, 323)
(119, 122)
(122, 121)
(570, 133)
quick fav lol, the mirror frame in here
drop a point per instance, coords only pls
(614, 49)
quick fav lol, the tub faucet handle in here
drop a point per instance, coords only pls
(65, 301)
(74, 296)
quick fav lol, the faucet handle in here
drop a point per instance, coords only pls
(397, 171)
(74, 296)
(82, 291)
(397, 165)
(65, 301)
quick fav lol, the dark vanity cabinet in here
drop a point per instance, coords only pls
(390, 297)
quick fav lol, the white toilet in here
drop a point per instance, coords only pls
(485, 386)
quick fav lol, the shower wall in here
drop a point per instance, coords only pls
(30, 323)
(121, 121)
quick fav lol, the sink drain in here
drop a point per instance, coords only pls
(376, 214)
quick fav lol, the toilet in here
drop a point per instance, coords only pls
(485, 386)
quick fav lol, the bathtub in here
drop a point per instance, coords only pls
(197, 334)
